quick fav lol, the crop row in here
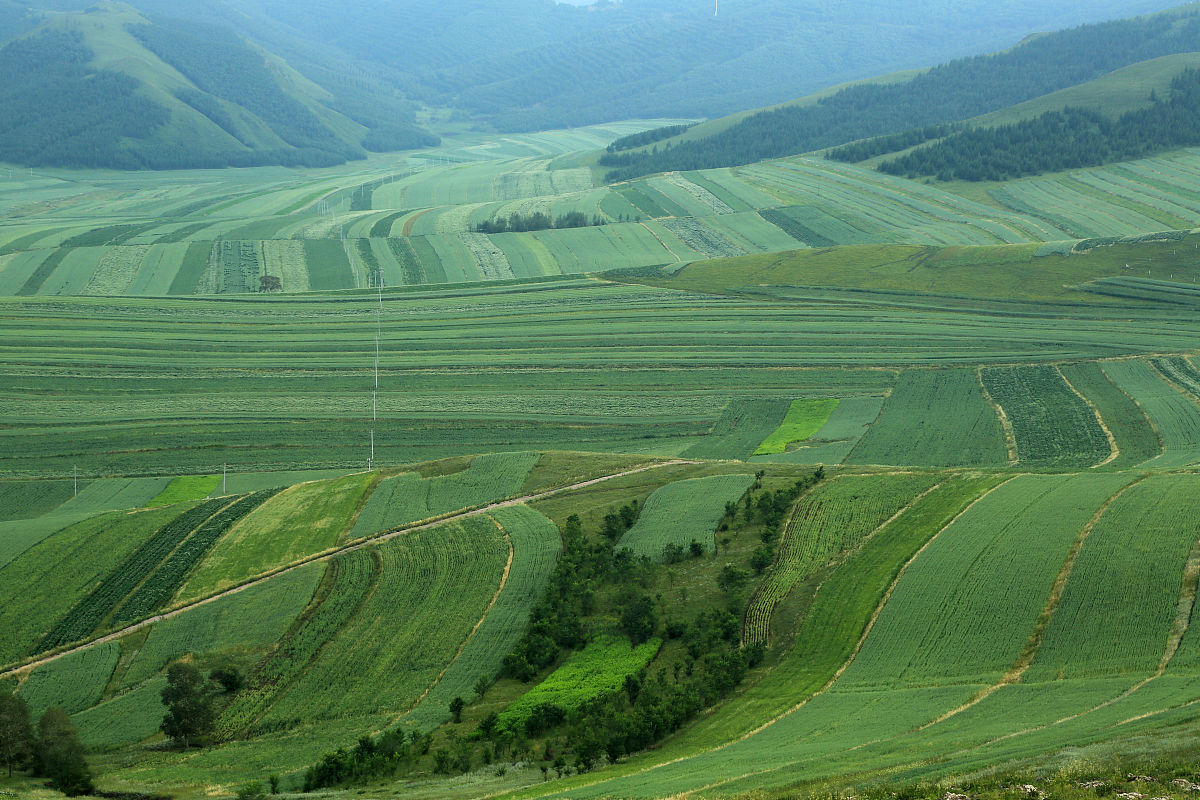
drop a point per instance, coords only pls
(162, 584)
(247, 622)
(1175, 417)
(434, 587)
(115, 587)
(1123, 593)
(966, 607)
(935, 418)
(408, 497)
(829, 520)
(73, 682)
(1052, 425)
(683, 512)
(41, 585)
(348, 580)
(1136, 440)
(535, 544)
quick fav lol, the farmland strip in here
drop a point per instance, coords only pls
(1114, 451)
(162, 584)
(24, 668)
(90, 612)
(1010, 439)
(348, 581)
(1025, 659)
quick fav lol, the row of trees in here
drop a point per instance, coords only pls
(537, 221)
(644, 138)
(52, 751)
(952, 92)
(1059, 140)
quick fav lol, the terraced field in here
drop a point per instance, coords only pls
(999, 560)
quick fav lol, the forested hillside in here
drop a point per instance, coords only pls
(111, 88)
(955, 91)
(1059, 140)
(536, 64)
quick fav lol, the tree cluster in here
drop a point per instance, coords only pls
(882, 145)
(555, 623)
(53, 751)
(644, 138)
(191, 700)
(371, 757)
(1060, 140)
(537, 221)
(952, 92)
(593, 577)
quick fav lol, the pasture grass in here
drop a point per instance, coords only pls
(804, 418)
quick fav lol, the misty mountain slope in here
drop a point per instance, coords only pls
(958, 90)
(113, 88)
(537, 64)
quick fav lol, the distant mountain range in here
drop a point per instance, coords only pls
(158, 84)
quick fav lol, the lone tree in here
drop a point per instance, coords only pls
(269, 283)
(58, 754)
(16, 731)
(188, 699)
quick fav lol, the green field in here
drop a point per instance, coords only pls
(683, 512)
(360, 490)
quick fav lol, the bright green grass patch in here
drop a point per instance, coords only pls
(304, 519)
(184, 488)
(684, 512)
(803, 419)
(598, 670)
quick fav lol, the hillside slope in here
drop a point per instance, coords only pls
(112, 88)
(955, 91)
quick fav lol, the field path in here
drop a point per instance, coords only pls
(1114, 450)
(1029, 652)
(491, 604)
(1010, 438)
(325, 555)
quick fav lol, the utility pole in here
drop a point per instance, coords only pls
(75, 472)
(224, 480)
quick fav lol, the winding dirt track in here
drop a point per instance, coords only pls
(325, 555)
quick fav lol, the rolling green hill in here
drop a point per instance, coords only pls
(955, 91)
(111, 88)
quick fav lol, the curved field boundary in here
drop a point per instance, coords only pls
(1010, 439)
(23, 668)
(1114, 450)
(1025, 659)
(878, 610)
(479, 623)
